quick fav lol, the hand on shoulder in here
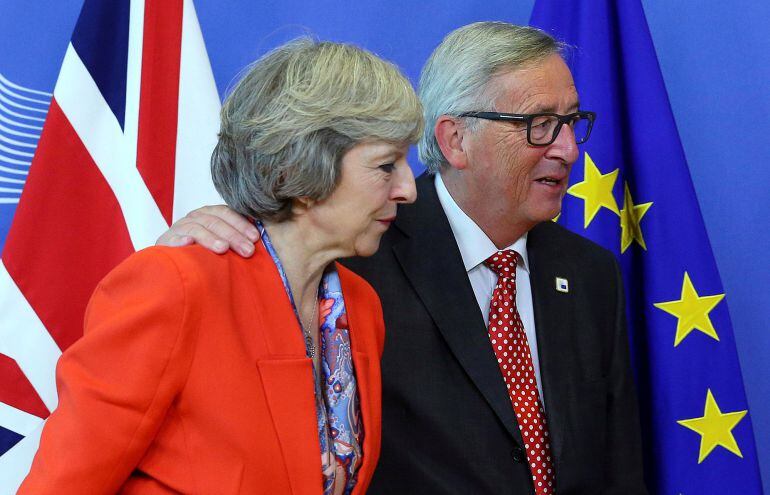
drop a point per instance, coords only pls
(216, 228)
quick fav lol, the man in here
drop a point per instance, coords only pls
(506, 366)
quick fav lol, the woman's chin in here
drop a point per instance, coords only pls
(366, 249)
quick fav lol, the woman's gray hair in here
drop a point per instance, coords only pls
(288, 122)
(456, 77)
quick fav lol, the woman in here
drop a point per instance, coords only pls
(201, 373)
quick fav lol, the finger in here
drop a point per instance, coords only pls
(204, 236)
(174, 240)
(216, 221)
(238, 222)
(185, 232)
(227, 234)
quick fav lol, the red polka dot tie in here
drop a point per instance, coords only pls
(506, 332)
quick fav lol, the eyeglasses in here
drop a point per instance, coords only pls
(543, 128)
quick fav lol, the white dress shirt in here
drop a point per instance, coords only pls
(475, 247)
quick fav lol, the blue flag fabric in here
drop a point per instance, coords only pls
(631, 192)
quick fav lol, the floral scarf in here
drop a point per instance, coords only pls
(338, 410)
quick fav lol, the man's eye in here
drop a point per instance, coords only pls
(387, 167)
(541, 123)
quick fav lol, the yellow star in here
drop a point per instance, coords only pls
(715, 428)
(595, 190)
(692, 311)
(556, 218)
(630, 217)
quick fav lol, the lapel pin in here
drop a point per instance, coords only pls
(562, 284)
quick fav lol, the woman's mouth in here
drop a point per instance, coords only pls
(387, 221)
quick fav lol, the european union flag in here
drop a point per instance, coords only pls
(631, 192)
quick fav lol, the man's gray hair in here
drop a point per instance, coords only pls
(287, 124)
(456, 77)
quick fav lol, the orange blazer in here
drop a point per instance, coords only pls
(192, 377)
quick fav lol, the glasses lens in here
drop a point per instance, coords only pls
(541, 129)
(581, 126)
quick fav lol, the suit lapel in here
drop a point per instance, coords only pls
(553, 323)
(432, 263)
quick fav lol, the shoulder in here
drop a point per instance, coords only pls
(553, 232)
(188, 265)
(184, 258)
(154, 273)
(550, 237)
(182, 277)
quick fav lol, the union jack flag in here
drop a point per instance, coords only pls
(124, 151)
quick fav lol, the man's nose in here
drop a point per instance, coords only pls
(564, 146)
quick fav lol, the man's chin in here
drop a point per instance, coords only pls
(546, 211)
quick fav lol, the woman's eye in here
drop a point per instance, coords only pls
(387, 167)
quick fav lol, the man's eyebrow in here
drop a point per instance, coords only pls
(546, 109)
(552, 108)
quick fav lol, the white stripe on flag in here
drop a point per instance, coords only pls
(15, 464)
(17, 420)
(24, 339)
(99, 130)
(133, 91)
(198, 121)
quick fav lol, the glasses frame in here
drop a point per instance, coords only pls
(529, 117)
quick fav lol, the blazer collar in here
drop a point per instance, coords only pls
(279, 326)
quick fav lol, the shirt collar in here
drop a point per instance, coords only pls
(475, 246)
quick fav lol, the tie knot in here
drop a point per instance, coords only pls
(503, 263)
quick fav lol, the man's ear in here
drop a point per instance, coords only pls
(449, 133)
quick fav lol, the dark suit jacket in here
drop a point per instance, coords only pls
(448, 425)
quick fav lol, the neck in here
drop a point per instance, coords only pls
(303, 256)
(492, 216)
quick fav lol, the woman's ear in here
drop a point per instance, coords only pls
(301, 205)
(449, 132)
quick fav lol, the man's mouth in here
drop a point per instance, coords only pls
(549, 181)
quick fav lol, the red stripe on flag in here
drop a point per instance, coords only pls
(68, 231)
(16, 391)
(159, 100)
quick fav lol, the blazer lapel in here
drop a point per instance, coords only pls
(553, 323)
(289, 390)
(432, 263)
(287, 378)
(367, 377)
(280, 329)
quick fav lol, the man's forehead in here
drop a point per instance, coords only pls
(544, 86)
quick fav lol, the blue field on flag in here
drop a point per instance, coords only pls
(631, 192)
